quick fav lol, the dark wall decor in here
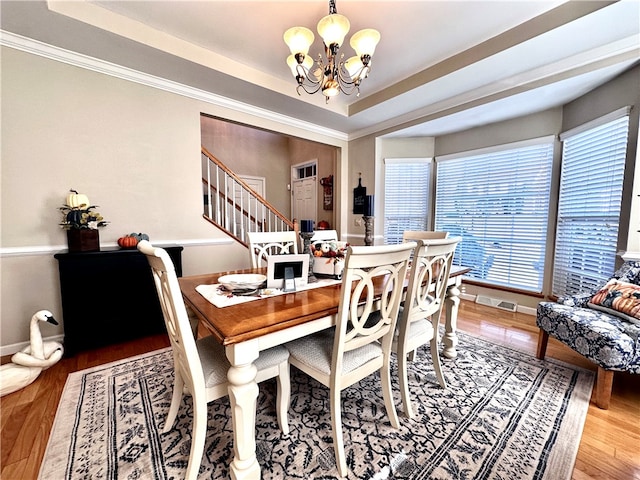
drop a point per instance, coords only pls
(359, 196)
(327, 192)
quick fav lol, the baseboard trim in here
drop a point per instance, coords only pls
(526, 310)
(16, 347)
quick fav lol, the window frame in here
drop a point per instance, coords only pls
(583, 259)
(500, 257)
(393, 234)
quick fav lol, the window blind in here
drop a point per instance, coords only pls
(589, 203)
(406, 196)
(498, 202)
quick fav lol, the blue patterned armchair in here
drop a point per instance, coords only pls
(584, 322)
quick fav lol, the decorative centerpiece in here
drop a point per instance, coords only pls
(329, 249)
(81, 223)
(329, 258)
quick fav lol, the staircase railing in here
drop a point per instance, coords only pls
(233, 206)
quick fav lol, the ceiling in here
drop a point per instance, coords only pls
(440, 66)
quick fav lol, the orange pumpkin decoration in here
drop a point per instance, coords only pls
(128, 242)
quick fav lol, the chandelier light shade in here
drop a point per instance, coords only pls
(332, 75)
(364, 42)
(299, 40)
(333, 28)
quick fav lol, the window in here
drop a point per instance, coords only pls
(497, 200)
(593, 161)
(406, 196)
(305, 171)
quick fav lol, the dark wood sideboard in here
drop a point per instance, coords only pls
(109, 297)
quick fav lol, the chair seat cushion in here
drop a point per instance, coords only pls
(420, 332)
(215, 364)
(315, 351)
(272, 357)
(418, 328)
(609, 341)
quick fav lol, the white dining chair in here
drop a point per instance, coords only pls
(419, 316)
(201, 365)
(262, 244)
(409, 235)
(360, 343)
(413, 235)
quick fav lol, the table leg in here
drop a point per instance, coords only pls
(243, 394)
(452, 302)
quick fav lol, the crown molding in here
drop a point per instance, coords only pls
(50, 52)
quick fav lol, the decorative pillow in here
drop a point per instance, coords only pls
(618, 298)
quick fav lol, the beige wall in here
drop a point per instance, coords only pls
(361, 165)
(302, 151)
(366, 157)
(532, 126)
(254, 152)
(134, 150)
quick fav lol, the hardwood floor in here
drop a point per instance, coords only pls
(609, 449)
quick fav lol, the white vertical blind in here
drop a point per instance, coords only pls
(406, 196)
(589, 203)
(498, 202)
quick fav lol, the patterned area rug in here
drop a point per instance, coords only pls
(504, 415)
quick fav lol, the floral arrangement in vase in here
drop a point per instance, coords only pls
(81, 222)
(78, 213)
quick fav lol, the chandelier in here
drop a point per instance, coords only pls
(331, 75)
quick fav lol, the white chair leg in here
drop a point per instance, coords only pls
(176, 400)
(336, 428)
(412, 355)
(283, 396)
(435, 355)
(387, 394)
(198, 437)
(404, 384)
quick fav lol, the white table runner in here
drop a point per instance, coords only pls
(220, 297)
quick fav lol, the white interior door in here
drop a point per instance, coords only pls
(304, 199)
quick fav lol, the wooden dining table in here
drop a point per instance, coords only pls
(245, 329)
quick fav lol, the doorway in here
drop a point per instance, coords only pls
(304, 196)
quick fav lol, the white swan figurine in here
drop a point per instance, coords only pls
(30, 361)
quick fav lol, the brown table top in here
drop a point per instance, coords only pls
(244, 321)
(249, 320)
